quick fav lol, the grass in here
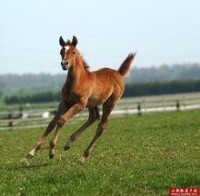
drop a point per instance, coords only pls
(135, 156)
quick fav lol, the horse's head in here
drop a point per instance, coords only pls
(68, 52)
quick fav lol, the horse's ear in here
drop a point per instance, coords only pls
(74, 41)
(62, 42)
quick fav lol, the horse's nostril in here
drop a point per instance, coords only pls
(64, 63)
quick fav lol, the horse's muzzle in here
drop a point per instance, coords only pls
(64, 65)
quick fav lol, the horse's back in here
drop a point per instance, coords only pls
(108, 74)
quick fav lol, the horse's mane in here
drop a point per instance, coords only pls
(85, 64)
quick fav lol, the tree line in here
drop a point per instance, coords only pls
(160, 88)
(131, 90)
(165, 73)
(42, 97)
(13, 82)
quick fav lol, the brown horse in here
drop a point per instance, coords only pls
(84, 89)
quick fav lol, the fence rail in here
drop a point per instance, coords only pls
(27, 117)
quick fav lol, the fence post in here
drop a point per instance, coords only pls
(10, 122)
(139, 109)
(177, 105)
(20, 111)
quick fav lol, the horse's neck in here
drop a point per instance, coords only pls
(75, 73)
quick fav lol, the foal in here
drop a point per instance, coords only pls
(84, 89)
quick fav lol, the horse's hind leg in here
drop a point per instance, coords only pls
(107, 108)
(93, 116)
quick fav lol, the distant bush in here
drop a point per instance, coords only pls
(159, 88)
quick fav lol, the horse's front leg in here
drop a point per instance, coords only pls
(75, 109)
(42, 140)
(61, 108)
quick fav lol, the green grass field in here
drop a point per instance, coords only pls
(135, 156)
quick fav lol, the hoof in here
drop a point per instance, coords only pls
(31, 154)
(82, 160)
(67, 147)
(51, 156)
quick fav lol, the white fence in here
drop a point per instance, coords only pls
(31, 117)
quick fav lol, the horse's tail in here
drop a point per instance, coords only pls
(124, 67)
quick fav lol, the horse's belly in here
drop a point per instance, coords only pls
(94, 101)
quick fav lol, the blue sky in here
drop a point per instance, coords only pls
(107, 30)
